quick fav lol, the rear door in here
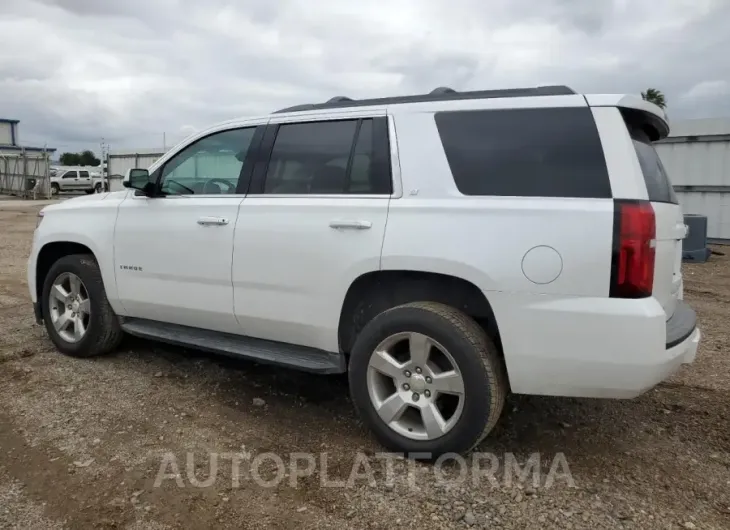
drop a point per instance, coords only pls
(670, 228)
(312, 222)
(84, 180)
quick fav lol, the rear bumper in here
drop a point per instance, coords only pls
(681, 325)
(597, 347)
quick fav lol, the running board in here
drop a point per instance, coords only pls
(259, 350)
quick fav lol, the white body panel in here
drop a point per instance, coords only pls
(88, 220)
(586, 346)
(291, 269)
(173, 269)
(427, 227)
(278, 269)
(627, 182)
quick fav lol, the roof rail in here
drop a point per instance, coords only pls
(438, 94)
(442, 90)
(298, 108)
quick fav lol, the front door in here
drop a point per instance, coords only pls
(173, 253)
(68, 180)
(313, 221)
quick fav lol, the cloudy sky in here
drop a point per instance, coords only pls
(76, 71)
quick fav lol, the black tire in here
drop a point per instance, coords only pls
(485, 383)
(98, 188)
(55, 189)
(103, 333)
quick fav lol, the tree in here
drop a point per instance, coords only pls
(70, 159)
(85, 158)
(655, 96)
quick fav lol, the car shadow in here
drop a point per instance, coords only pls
(583, 429)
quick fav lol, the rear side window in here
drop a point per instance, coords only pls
(330, 157)
(658, 185)
(84, 174)
(543, 152)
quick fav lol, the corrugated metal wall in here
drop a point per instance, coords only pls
(697, 158)
(716, 206)
(25, 174)
(697, 163)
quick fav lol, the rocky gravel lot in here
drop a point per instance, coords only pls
(147, 438)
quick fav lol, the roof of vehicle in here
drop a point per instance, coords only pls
(438, 94)
(445, 94)
(658, 118)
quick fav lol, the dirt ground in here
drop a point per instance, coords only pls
(97, 443)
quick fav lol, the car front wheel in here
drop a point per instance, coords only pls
(76, 312)
(427, 379)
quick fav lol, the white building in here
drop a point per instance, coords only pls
(697, 157)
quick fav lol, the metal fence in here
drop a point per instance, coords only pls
(25, 175)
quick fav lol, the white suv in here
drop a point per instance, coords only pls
(442, 249)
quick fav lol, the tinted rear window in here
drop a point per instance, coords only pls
(658, 185)
(545, 152)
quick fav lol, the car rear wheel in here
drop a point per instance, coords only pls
(76, 312)
(426, 378)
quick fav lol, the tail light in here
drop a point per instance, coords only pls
(634, 241)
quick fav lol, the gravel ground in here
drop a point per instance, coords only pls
(132, 440)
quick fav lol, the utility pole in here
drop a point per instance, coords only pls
(102, 156)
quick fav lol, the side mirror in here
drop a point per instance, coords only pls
(138, 179)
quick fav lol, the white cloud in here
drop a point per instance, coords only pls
(74, 71)
(707, 90)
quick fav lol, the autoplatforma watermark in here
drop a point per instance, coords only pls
(270, 470)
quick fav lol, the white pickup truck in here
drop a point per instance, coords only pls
(76, 179)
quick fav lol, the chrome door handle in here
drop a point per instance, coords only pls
(355, 225)
(212, 221)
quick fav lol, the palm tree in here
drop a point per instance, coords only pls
(655, 96)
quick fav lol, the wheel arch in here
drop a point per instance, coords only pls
(49, 254)
(57, 247)
(376, 291)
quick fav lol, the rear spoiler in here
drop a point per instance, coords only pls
(653, 115)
